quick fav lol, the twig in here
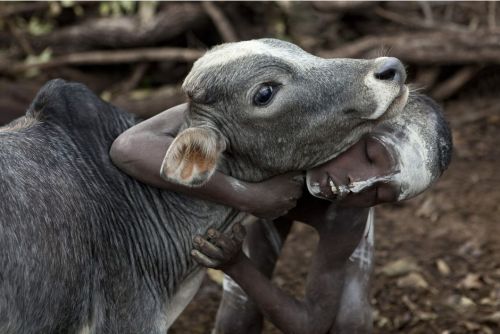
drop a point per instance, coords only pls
(427, 76)
(220, 21)
(124, 31)
(22, 8)
(427, 10)
(30, 7)
(492, 8)
(413, 23)
(341, 6)
(134, 79)
(111, 57)
(147, 103)
(449, 11)
(480, 113)
(437, 47)
(21, 39)
(449, 87)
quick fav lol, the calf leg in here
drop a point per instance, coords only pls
(237, 313)
(355, 312)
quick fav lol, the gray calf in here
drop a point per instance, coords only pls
(86, 249)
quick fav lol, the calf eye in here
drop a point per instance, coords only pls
(264, 95)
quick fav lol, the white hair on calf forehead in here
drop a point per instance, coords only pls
(230, 52)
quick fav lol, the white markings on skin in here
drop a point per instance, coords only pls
(359, 186)
(230, 286)
(363, 254)
(237, 185)
(313, 187)
(412, 157)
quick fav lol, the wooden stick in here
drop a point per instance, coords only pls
(415, 23)
(110, 57)
(450, 86)
(221, 22)
(438, 47)
(22, 8)
(97, 33)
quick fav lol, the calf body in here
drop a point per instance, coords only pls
(85, 248)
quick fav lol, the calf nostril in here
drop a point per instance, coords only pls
(387, 74)
(390, 69)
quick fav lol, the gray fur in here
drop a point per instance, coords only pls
(322, 107)
(82, 244)
(85, 248)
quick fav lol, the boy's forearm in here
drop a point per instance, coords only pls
(142, 157)
(285, 312)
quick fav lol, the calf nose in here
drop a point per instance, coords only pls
(391, 69)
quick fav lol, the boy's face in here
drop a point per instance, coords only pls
(362, 176)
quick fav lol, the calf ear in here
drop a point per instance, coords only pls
(192, 157)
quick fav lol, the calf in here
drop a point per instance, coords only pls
(85, 248)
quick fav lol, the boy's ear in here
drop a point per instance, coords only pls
(192, 157)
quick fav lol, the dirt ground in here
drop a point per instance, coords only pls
(437, 256)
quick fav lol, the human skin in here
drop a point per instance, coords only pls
(139, 152)
(340, 226)
(372, 171)
(397, 160)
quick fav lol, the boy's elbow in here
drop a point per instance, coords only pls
(121, 150)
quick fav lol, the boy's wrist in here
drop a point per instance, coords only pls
(244, 200)
(237, 266)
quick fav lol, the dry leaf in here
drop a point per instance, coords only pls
(471, 282)
(400, 267)
(414, 281)
(443, 267)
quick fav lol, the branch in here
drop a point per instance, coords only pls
(109, 57)
(221, 22)
(411, 22)
(439, 47)
(452, 85)
(146, 104)
(124, 31)
(22, 8)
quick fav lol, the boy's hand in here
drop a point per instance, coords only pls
(274, 197)
(218, 250)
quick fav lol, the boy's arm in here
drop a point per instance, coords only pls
(140, 150)
(317, 311)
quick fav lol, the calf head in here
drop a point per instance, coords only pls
(268, 106)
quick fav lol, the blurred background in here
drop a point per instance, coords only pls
(438, 255)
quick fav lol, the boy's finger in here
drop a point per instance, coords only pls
(203, 259)
(208, 248)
